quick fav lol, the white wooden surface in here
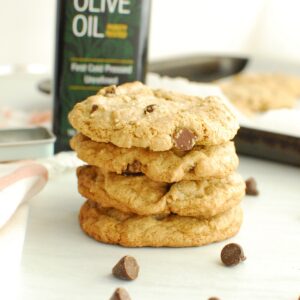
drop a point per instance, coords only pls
(60, 262)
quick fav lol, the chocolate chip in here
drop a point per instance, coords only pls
(213, 298)
(232, 254)
(94, 108)
(134, 167)
(185, 139)
(149, 108)
(120, 294)
(127, 268)
(251, 187)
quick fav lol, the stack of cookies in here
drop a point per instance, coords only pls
(160, 167)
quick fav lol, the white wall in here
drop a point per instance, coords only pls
(265, 27)
(26, 31)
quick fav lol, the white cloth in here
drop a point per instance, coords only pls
(19, 183)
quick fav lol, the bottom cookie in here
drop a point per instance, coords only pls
(112, 226)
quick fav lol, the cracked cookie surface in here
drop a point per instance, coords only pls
(143, 196)
(133, 115)
(114, 227)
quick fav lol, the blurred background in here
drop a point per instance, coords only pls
(267, 28)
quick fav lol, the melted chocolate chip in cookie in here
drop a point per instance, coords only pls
(133, 168)
(149, 109)
(185, 139)
(94, 108)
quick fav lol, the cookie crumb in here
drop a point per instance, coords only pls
(120, 294)
(126, 269)
(232, 254)
(251, 187)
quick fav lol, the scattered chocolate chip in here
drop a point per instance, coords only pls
(149, 108)
(213, 298)
(127, 268)
(94, 108)
(120, 294)
(251, 187)
(232, 254)
(134, 167)
(185, 139)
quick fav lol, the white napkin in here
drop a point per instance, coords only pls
(18, 183)
(21, 181)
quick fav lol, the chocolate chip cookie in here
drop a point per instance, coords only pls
(114, 227)
(143, 196)
(166, 166)
(133, 115)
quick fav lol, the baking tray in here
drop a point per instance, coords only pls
(199, 68)
(26, 143)
(254, 142)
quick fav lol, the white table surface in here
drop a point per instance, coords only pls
(60, 262)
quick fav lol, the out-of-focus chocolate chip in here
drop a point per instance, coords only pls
(127, 268)
(213, 298)
(185, 139)
(251, 187)
(232, 254)
(120, 294)
(94, 108)
(149, 109)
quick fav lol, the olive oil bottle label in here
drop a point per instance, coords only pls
(99, 43)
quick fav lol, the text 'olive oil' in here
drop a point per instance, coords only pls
(98, 43)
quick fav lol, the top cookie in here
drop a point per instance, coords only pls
(133, 115)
